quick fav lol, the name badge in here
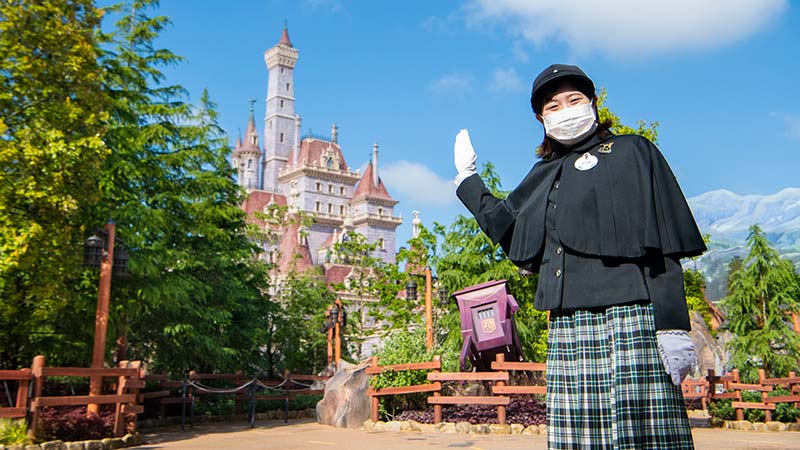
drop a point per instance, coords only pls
(586, 162)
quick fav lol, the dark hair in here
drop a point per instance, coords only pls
(550, 148)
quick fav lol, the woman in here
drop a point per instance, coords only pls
(603, 220)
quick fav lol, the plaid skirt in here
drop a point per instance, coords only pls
(606, 385)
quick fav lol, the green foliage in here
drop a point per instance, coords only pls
(13, 431)
(642, 128)
(763, 293)
(784, 412)
(403, 347)
(52, 114)
(721, 410)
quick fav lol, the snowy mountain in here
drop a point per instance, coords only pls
(727, 217)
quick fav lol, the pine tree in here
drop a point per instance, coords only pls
(763, 294)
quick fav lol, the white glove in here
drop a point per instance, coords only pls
(464, 156)
(677, 353)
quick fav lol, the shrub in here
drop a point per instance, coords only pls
(13, 432)
(784, 412)
(721, 410)
(407, 347)
(73, 424)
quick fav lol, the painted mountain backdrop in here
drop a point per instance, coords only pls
(727, 217)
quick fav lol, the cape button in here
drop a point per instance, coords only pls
(559, 250)
(558, 272)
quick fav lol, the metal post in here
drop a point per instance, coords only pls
(183, 406)
(252, 407)
(286, 404)
(101, 317)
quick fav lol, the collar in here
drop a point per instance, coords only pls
(581, 147)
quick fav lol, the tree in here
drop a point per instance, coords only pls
(763, 293)
(52, 116)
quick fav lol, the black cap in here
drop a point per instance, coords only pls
(556, 72)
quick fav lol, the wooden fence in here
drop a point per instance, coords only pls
(23, 378)
(712, 387)
(127, 382)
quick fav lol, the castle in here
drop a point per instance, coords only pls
(309, 174)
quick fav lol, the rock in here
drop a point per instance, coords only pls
(75, 446)
(54, 445)
(480, 428)
(463, 427)
(345, 403)
(793, 427)
(517, 428)
(408, 425)
(543, 429)
(392, 425)
(531, 429)
(497, 428)
(33, 447)
(758, 426)
(710, 351)
(93, 445)
(368, 425)
(427, 428)
(15, 447)
(776, 426)
(129, 440)
(113, 443)
(446, 427)
(380, 426)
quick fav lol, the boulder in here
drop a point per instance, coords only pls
(463, 427)
(345, 403)
(710, 352)
(517, 428)
(54, 445)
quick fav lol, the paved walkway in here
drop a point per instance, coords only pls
(306, 434)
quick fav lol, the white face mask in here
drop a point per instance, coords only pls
(572, 124)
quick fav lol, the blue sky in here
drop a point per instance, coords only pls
(720, 76)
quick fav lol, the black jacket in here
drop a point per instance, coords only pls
(628, 209)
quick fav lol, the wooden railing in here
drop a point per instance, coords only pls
(435, 366)
(23, 378)
(128, 381)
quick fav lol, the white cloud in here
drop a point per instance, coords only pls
(792, 124)
(518, 50)
(506, 80)
(454, 82)
(418, 183)
(330, 6)
(628, 27)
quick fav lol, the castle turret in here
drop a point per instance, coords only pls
(247, 154)
(280, 120)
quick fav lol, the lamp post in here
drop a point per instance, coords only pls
(106, 261)
(99, 252)
(428, 309)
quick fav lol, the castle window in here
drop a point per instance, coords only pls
(382, 244)
(341, 210)
(281, 103)
(330, 189)
(330, 208)
(281, 69)
(287, 86)
(341, 190)
(319, 187)
(270, 124)
(249, 163)
(281, 137)
(380, 211)
(317, 206)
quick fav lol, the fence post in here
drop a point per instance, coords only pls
(374, 401)
(38, 382)
(119, 417)
(22, 391)
(501, 409)
(437, 409)
(739, 411)
(762, 375)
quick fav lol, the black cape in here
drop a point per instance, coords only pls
(627, 206)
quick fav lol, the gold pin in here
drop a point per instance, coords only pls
(605, 148)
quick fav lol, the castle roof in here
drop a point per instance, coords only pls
(311, 151)
(337, 273)
(257, 200)
(367, 189)
(285, 41)
(293, 253)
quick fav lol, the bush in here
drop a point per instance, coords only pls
(784, 412)
(522, 410)
(407, 347)
(13, 432)
(721, 410)
(73, 424)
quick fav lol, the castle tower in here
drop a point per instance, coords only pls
(247, 154)
(279, 122)
(373, 215)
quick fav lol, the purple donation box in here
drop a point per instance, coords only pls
(487, 325)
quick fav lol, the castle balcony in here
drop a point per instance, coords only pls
(380, 220)
(289, 173)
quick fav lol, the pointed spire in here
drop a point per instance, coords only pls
(375, 177)
(334, 133)
(239, 140)
(250, 134)
(285, 41)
